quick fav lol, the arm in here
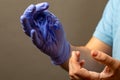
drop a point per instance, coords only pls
(48, 35)
(93, 44)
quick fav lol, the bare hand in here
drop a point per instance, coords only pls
(110, 72)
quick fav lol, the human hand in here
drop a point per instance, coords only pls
(46, 32)
(110, 72)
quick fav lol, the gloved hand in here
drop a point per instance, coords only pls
(46, 32)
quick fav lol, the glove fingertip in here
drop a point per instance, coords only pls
(42, 6)
(30, 10)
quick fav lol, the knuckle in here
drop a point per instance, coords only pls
(70, 74)
(74, 72)
(22, 18)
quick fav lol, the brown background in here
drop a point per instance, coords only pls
(20, 59)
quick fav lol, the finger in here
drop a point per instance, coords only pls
(28, 24)
(104, 59)
(88, 75)
(25, 25)
(75, 55)
(76, 71)
(29, 11)
(40, 8)
(27, 19)
(82, 62)
(75, 65)
(29, 15)
(35, 38)
(75, 62)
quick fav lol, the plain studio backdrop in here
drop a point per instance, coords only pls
(20, 59)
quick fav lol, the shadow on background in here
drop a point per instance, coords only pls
(20, 59)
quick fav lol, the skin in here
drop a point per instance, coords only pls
(85, 60)
(93, 44)
(100, 52)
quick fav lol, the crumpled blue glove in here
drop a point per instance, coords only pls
(46, 32)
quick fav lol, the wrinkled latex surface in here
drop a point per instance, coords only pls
(46, 32)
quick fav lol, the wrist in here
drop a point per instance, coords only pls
(64, 55)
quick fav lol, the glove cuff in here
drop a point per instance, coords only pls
(65, 54)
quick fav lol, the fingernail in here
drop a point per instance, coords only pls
(94, 53)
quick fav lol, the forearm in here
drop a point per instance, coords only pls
(90, 63)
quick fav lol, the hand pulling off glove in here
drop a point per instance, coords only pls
(46, 32)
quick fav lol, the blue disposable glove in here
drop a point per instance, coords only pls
(46, 32)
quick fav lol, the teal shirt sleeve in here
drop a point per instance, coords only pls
(104, 28)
